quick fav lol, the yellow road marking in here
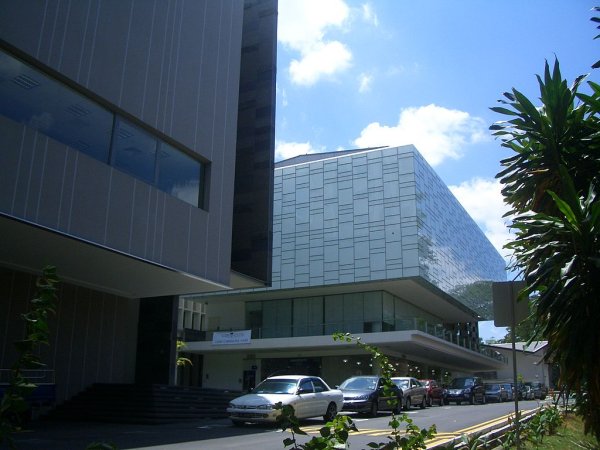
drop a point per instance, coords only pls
(439, 437)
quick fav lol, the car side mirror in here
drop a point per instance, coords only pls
(303, 391)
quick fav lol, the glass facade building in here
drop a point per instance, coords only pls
(377, 214)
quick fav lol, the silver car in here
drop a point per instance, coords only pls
(309, 396)
(413, 391)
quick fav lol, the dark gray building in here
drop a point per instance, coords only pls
(136, 156)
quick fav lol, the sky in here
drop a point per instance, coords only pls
(355, 73)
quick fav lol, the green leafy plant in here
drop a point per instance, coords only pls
(474, 441)
(101, 446)
(14, 403)
(411, 438)
(182, 361)
(552, 182)
(331, 436)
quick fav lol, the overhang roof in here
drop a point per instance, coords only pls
(420, 347)
(29, 248)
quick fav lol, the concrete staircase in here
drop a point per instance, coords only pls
(130, 403)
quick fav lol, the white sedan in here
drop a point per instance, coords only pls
(310, 397)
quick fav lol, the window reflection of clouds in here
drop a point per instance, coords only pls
(31, 97)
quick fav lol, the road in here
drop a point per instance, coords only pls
(219, 434)
(450, 421)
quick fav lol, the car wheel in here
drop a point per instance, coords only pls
(472, 399)
(237, 423)
(429, 401)
(423, 403)
(330, 413)
(407, 403)
(483, 400)
(373, 409)
(398, 406)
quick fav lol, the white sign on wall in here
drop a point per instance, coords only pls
(231, 337)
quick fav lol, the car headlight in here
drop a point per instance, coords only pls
(265, 406)
(362, 397)
(233, 405)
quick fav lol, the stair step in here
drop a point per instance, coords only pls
(127, 403)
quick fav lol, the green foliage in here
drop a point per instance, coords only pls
(182, 361)
(411, 438)
(332, 435)
(477, 441)
(14, 403)
(101, 446)
(551, 184)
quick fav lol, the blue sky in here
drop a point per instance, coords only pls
(358, 73)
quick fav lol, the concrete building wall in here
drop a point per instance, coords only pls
(93, 334)
(529, 366)
(172, 68)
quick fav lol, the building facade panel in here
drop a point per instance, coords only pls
(134, 62)
(386, 215)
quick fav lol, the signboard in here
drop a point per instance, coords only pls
(231, 337)
(505, 299)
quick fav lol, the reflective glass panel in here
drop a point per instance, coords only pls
(30, 97)
(179, 175)
(134, 151)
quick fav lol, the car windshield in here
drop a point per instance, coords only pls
(280, 386)
(461, 382)
(402, 384)
(360, 384)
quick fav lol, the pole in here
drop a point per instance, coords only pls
(514, 356)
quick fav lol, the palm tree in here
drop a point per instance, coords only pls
(552, 184)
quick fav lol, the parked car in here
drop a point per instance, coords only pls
(495, 392)
(539, 389)
(510, 391)
(413, 392)
(526, 393)
(310, 397)
(466, 389)
(365, 394)
(435, 393)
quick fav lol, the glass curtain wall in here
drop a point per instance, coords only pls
(363, 312)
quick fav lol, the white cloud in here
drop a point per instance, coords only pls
(302, 27)
(364, 82)
(323, 59)
(483, 200)
(438, 133)
(286, 150)
(369, 15)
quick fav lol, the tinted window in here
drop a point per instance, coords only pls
(179, 175)
(319, 385)
(32, 98)
(134, 151)
(366, 383)
(306, 386)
